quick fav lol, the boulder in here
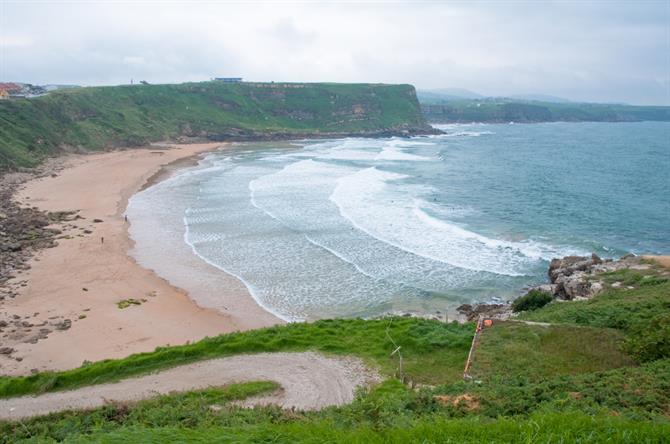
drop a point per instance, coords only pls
(570, 265)
(496, 311)
(63, 325)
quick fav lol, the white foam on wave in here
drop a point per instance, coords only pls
(363, 150)
(461, 130)
(347, 154)
(189, 239)
(467, 133)
(394, 214)
(298, 197)
(393, 151)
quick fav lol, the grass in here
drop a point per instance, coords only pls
(433, 352)
(639, 393)
(508, 350)
(575, 427)
(390, 412)
(94, 118)
(567, 382)
(125, 303)
(623, 308)
(533, 300)
(193, 409)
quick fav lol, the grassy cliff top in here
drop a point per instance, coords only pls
(503, 110)
(586, 376)
(104, 117)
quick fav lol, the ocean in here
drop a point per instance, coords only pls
(361, 227)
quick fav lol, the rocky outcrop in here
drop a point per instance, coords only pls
(493, 311)
(23, 230)
(570, 278)
(577, 277)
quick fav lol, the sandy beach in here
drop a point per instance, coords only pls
(663, 260)
(69, 301)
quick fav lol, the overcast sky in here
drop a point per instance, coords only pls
(604, 51)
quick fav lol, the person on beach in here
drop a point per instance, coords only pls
(102, 240)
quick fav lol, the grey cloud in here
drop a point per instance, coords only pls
(599, 51)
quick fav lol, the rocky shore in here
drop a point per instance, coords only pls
(245, 135)
(577, 277)
(570, 278)
(24, 230)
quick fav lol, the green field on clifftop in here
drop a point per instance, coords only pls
(133, 115)
(504, 110)
(577, 379)
(595, 370)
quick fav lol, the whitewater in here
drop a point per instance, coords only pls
(361, 227)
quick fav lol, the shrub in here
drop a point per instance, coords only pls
(651, 341)
(532, 301)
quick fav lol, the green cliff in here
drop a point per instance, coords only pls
(133, 115)
(503, 110)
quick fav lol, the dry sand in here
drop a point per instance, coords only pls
(663, 260)
(308, 381)
(83, 278)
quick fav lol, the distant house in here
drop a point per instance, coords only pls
(10, 90)
(228, 79)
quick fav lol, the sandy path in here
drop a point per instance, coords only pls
(83, 278)
(309, 381)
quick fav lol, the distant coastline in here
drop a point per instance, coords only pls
(504, 110)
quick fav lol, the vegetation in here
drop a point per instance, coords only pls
(133, 115)
(125, 303)
(193, 409)
(511, 350)
(637, 303)
(648, 342)
(620, 308)
(596, 407)
(539, 428)
(432, 352)
(503, 110)
(635, 392)
(533, 300)
(574, 380)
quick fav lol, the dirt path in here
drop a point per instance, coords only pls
(309, 381)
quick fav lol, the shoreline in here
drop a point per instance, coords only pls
(66, 311)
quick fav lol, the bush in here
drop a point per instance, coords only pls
(650, 342)
(532, 301)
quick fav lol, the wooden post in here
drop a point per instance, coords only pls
(466, 374)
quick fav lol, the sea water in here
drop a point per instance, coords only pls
(361, 227)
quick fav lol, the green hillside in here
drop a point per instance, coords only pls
(503, 110)
(587, 376)
(133, 115)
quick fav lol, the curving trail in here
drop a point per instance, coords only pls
(309, 381)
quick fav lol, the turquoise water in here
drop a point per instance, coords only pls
(359, 227)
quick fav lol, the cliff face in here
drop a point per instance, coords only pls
(507, 110)
(133, 115)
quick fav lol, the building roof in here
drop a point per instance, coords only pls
(10, 87)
